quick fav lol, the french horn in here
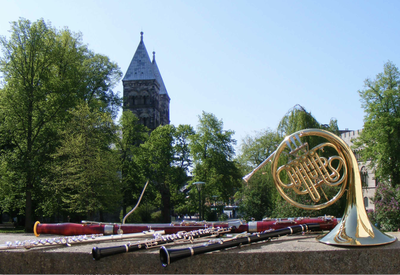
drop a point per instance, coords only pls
(315, 178)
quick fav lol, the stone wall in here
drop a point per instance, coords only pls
(293, 254)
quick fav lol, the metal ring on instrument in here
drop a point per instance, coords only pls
(252, 226)
(286, 144)
(108, 229)
(35, 229)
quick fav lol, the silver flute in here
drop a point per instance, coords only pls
(68, 241)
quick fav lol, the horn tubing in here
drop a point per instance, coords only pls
(168, 256)
(248, 176)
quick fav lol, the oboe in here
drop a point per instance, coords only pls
(158, 240)
(68, 241)
(167, 256)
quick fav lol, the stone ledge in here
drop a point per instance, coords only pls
(292, 254)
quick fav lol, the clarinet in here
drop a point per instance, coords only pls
(158, 240)
(167, 256)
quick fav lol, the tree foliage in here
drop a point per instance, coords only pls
(255, 149)
(379, 142)
(258, 196)
(46, 72)
(128, 145)
(380, 138)
(212, 149)
(84, 175)
(261, 190)
(164, 159)
(298, 118)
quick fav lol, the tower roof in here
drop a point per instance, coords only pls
(141, 68)
(157, 74)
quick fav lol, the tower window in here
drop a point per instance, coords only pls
(364, 176)
(365, 202)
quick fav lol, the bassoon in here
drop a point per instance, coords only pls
(169, 255)
(237, 226)
(101, 252)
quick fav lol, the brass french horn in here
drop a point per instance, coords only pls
(317, 177)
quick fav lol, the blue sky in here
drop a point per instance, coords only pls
(247, 62)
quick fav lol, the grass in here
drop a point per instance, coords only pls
(18, 229)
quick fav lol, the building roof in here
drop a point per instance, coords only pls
(141, 68)
(157, 74)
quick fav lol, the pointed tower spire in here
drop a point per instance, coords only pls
(141, 66)
(144, 90)
(157, 74)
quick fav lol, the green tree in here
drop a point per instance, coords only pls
(166, 163)
(84, 178)
(46, 72)
(259, 194)
(183, 162)
(256, 149)
(132, 135)
(298, 118)
(380, 138)
(212, 150)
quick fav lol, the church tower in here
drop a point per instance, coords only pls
(144, 90)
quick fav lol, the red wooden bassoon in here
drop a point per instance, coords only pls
(238, 226)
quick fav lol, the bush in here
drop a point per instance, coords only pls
(223, 217)
(145, 213)
(156, 216)
(387, 207)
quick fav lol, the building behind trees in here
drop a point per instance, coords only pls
(144, 90)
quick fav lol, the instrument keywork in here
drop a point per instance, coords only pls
(180, 237)
(68, 241)
(170, 255)
(317, 178)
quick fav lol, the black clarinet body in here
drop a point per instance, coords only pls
(167, 256)
(101, 252)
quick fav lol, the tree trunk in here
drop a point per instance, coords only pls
(28, 211)
(166, 206)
